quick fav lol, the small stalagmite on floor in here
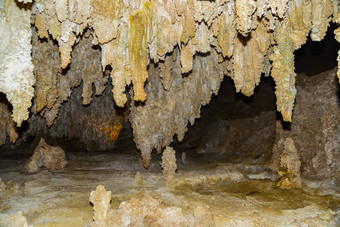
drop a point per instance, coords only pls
(138, 180)
(289, 166)
(169, 163)
(100, 198)
(44, 155)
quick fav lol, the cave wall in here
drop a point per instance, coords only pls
(95, 127)
(75, 103)
(235, 127)
(316, 126)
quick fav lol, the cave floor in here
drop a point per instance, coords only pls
(236, 193)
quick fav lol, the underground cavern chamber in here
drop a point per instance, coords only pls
(169, 113)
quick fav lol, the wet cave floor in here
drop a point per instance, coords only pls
(239, 193)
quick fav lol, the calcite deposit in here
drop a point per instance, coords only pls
(16, 68)
(173, 100)
(53, 87)
(101, 205)
(290, 164)
(169, 163)
(147, 211)
(53, 158)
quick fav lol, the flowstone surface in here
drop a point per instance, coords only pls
(215, 194)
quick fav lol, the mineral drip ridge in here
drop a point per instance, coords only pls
(202, 39)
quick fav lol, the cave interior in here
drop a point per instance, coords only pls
(202, 148)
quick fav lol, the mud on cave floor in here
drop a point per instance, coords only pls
(236, 193)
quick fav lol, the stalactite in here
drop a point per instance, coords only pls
(16, 68)
(167, 112)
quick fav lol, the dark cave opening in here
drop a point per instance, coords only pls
(317, 57)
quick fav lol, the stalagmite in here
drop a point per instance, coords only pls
(289, 166)
(53, 158)
(138, 180)
(100, 198)
(169, 163)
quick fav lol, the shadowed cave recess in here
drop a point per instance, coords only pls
(169, 113)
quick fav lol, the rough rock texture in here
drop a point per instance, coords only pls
(100, 198)
(2, 185)
(94, 127)
(53, 158)
(173, 100)
(290, 163)
(63, 104)
(145, 212)
(252, 137)
(316, 127)
(16, 68)
(7, 126)
(169, 163)
(53, 86)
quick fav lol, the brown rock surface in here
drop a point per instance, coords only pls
(7, 126)
(53, 158)
(169, 163)
(316, 126)
(290, 163)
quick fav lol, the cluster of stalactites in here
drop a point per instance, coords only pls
(254, 37)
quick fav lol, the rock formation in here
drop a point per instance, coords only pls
(138, 180)
(53, 158)
(290, 164)
(315, 129)
(169, 163)
(7, 125)
(16, 68)
(100, 198)
(144, 212)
